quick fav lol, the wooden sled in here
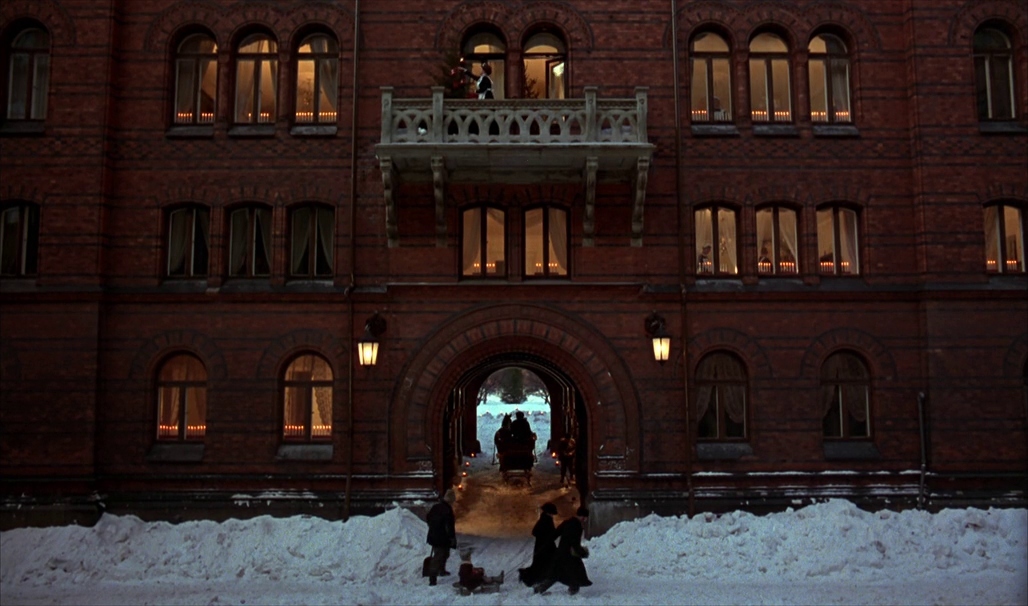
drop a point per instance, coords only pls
(480, 589)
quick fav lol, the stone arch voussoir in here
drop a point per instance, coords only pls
(752, 354)
(529, 14)
(150, 353)
(873, 350)
(49, 13)
(318, 341)
(975, 12)
(194, 12)
(493, 12)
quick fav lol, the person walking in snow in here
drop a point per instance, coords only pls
(567, 566)
(545, 544)
(442, 535)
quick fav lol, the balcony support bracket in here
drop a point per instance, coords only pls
(390, 182)
(439, 191)
(592, 164)
(642, 170)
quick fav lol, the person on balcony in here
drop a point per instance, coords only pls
(485, 82)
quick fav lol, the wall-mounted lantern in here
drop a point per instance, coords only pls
(367, 346)
(656, 329)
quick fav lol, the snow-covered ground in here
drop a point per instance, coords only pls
(828, 553)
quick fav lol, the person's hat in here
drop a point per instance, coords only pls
(450, 496)
(582, 512)
(549, 508)
(519, 414)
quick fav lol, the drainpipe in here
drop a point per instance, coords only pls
(924, 451)
(353, 258)
(681, 256)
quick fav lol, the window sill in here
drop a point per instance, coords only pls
(309, 285)
(846, 450)
(175, 453)
(190, 132)
(1008, 127)
(252, 130)
(714, 130)
(723, 451)
(321, 130)
(246, 285)
(775, 130)
(185, 285)
(835, 130)
(304, 452)
(22, 128)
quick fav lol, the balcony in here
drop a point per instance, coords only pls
(514, 141)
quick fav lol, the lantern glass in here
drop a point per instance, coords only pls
(661, 348)
(367, 352)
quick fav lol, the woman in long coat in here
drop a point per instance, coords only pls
(567, 566)
(542, 555)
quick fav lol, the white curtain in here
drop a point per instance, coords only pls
(534, 242)
(840, 78)
(704, 238)
(325, 237)
(728, 246)
(788, 245)
(992, 238)
(240, 227)
(178, 241)
(559, 240)
(826, 240)
(245, 71)
(301, 241)
(847, 373)
(472, 251)
(262, 246)
(765, 239)
(848, 241)
(724, 373)
(328, 71)
(494, 241)
(1014, 239)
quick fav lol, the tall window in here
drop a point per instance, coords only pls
(777, 241)
(829, 67)
(770, 89)
(256, 80)
(721, 397)
(188, 242)
(317, 80)
(546, 242)
(196, 80)
(711, 79)
(845, 396)
(307, 399)
(311, 246)
(993, 74)
(1004, 238)
(545, 58)
(487, 47)
(717, 249)
(837, 241)
(181, 399)
(28, 75)
(483, 243)
(249, 248)
(19, 239)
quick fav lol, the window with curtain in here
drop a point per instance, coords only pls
(846, 396)
(721, 385)
(317, 80)
(546, 242)
(196, 80)
(829, 74)
(994, 74)
(19, 239)
(483, 243)
(307, 400)
(770, 87)
(486, 47)
(28, 75)
(188, 242)
(717, 247)
(249, 242)
(256, 80)
(711, 82)
(311, 241)
(545, 66)
(1004, 238)
(777, 241)
(838, 243)
(181, 399)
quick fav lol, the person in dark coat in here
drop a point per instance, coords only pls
(545, 544)
(520, 430)
(566, 456)
(442, 535)
(567, 566)
(485, 82)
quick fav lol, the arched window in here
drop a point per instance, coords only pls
(317, 80)
(484, 244)
(717, 248)
(1004, 238)
(829, 71)
(196, 80)
(28, 76)
(721, 397)
(846, 396)
(546, 242)
(182, 399)
(312, 249)
(993, 74)
(249, 242)
(777, 241)
(487, 47)
(838, 242)
(256, 80)
(711, 78)
(770, 87)
(307, 399)
(545, 62)
(188, 242)
(19, 239)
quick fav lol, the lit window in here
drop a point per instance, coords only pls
(718, 255)
(777, 241)
(486, 47)
(829, 66)
(546, 242)
(721, 397)
(711, 79)
(837, 241)
(993, 74)
(311, 241)
(188, 242)
(182, 399)
(1004, 238)
(196, 80)
(256, 80)
(28, 75)
(249, 249)
(545, 59)
(19, 239)
(307, 400)
(317, 80)
(770, 88)
(845, 396)
(483, 243)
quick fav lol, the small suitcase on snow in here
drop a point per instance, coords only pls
(426, 567)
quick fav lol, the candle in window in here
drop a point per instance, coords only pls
(764, 266)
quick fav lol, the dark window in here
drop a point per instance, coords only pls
(711, 79)
(829, 67)
(845, 396)
(546, 242)
(994, 74)
(181, 399)
(249, 248)
(19, 239)
(717, 250)
(311, 242)
(1004, 238)
(196, 80)
(721, 397)
(188, 242)
(317, 80)
(777, 241)
(838, 242)
(484, 243)
(770, 87)
(256, 80)
(28, 75)
(307, 400)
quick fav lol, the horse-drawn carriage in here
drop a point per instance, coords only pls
(515, 451)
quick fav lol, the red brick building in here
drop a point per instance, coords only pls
(205, 203)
